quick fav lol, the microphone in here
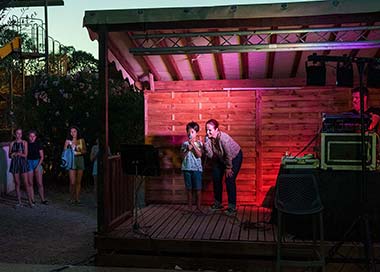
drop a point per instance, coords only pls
(206, 139)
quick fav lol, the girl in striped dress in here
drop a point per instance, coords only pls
(18, 152)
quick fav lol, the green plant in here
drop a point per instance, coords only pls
(56, 103)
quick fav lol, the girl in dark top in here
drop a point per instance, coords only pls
(77, 144)
(35, 159)
(18, 151)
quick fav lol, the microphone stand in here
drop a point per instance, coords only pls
(364, 217)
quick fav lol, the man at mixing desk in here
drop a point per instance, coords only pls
(373, 112)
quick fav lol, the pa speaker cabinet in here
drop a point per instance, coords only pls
(342, 151)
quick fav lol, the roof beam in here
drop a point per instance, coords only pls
(244, 59)
(194, 63)
(91, 21)
(33, 3)
(146, 60)
(218, 59)
(296, 64)
(262, 40)
(171, 65)
(126, 65)
(258, 48)
(271, 55)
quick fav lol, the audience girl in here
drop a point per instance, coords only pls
(77, 144)
(94, 159)
(226, 156)
(35, 159)
(18, 152)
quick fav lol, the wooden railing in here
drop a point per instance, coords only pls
(117, 196)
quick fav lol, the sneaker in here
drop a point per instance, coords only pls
(45, 202)
(216, 207)
(18, 205)
(230, 212)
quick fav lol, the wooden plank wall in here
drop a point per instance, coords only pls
(167, 114)
(288, 119)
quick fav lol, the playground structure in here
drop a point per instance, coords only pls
(28, 45)
(11, 47)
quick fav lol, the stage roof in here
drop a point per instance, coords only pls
(266, 41)
(33, 3)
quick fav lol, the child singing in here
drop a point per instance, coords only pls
(192, 164)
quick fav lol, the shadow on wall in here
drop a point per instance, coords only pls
(169, 149)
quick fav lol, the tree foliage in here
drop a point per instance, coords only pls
(53, 103)
(56, 103)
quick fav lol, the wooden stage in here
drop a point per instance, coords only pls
(169, 235)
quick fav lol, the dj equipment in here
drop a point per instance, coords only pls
(342, 151)
(346, 122)
(305, 162)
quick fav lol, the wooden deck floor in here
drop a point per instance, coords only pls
(169, 235)
(176, 222)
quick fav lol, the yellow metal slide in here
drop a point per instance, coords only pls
(13, 46)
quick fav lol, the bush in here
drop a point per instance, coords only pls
(56, 103)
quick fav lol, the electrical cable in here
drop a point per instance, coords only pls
(308, 144)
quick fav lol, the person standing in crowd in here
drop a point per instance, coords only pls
(226, 157)
(94, 159)
(35, 159)
(192, 164)
(78, 145)
(373, 112)
(18, 152)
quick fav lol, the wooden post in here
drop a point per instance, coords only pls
(258, 134)
(103, 167)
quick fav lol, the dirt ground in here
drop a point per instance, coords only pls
(58, 233)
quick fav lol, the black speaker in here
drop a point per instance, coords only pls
(316, 74)
(344, 74)
(140, 160)
(373, 76)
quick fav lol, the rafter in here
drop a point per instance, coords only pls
(145, 60)
(271, 55)
(171, 65)
(194, 63)
(218, 57)
(244, 58)
(123, 62)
